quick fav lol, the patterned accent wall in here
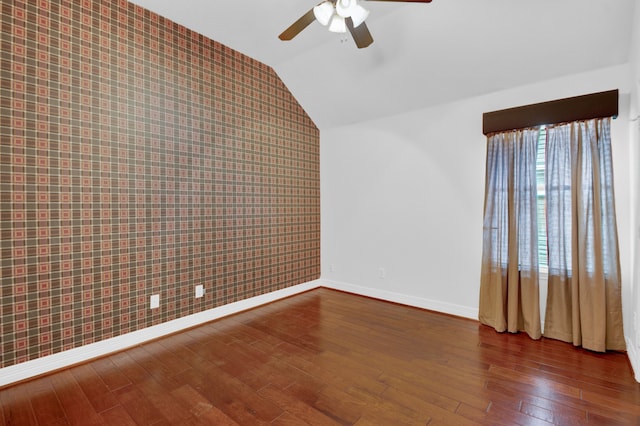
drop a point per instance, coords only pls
(137, 158)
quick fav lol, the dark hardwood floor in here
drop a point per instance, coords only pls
(326, 357)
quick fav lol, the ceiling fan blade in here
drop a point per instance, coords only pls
(406, 1)
(360, 34)
(298, 26)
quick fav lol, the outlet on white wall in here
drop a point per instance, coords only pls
(154, 301)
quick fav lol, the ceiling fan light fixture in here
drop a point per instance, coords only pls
(359, 15)
(345, 8)
(323, 12)
(338, 25)
(339, 15)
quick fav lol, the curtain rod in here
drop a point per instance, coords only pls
(584, 107)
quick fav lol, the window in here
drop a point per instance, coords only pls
(584, 107)
(541, 211)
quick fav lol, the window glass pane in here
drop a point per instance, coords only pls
(542, 219)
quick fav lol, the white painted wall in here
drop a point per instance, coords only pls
(405, 193)
(633, 334)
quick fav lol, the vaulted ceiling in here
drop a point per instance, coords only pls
(422, 55)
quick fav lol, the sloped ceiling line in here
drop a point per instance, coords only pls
(424, 54)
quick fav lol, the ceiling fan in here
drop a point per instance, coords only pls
(340, 16)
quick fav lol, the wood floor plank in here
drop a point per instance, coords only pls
(424, 393)
(341, 378)
(297, 407)
(155, 365)
(288, 419)
(563, 413)
(327, 357)
(109, 373)
(44, 402)
(498, 414)
(133, 371)
(615, 419)
(534, 382)
(17, 406)
(164, 402)
(335, 403)
(383, 411)
(139, 407)
(481, 416)
(117, 416)
(239, 396)
(201, 408)
(417, 404)
(94, 388)
(235, 398)
(78, 410)
(279, 374)
(167, 357)
(461, 387)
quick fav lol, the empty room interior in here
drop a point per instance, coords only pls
(346, 212)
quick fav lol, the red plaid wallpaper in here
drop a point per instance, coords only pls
(138, 157)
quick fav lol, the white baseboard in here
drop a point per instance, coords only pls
(447, 308)
(40, 366)
(47, 364)
(632, 354)
(404, 299)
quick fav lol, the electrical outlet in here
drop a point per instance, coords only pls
(199, 291)
(381, 273)
(332, 268)
(154, 301)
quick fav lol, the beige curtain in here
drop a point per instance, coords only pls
(584, 301)
(509, 295)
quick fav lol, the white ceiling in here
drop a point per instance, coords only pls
(422, 55)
